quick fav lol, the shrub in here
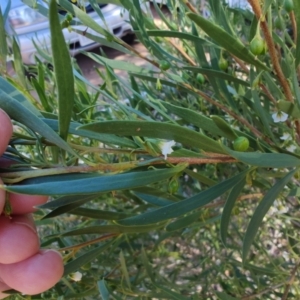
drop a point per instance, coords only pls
(180, 181)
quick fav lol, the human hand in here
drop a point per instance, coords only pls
(23, 265)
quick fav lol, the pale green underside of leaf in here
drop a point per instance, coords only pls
(265, 160)
(90, 183)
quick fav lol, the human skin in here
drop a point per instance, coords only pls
(23, 265)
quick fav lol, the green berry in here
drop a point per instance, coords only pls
(288, 5)
(278, 22)
(69, 17)
(164, 65)
(241, 144)
(200, 78)
(223, 64)
(173, 186)
(257, 45)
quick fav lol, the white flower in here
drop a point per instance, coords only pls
(279, 116)
(166, 147)
(76, 276)
(291, 148)
(286, 136)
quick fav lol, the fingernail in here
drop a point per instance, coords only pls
(51, 250)
(25, 221)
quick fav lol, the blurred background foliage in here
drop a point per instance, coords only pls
(179, 181)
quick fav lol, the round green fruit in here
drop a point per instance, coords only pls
(164, 65)
(278, 22)
(241, 144)
(257, 45)
(200, 78)
(288, 5)
(223, 64)
(69, 17)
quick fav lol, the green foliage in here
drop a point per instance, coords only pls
(179, 180)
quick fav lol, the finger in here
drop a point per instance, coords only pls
(6, 130)
(3, 287)
(25, 204)
(18, 239)
(2, 196)
(35, 274)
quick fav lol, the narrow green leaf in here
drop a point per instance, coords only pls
(183, 222)
(195, 118)
(265, 160)
(63, 71)
(85, 258)
(3, 43)
(185, 206)
(179, 35)
(227, 41)
(201, 121)
(295, 192)
(18, 63)
(297, 17)
(117, 64)
(161, 130)
(224, 296)
(232, 197)
(23, 115)
(60, 185)
(124, 269)
(112, 229)
(11, 91)
(224, 126)
(65, 200)
(200, 177)
(261, 211)
(170, 294)
(217, 74)
(83, 16)
(67, 208)
(98, 214)
(108, 139)
(103, 289)
(147, 265)
(290, 108)
(153, 199)
(261, 112)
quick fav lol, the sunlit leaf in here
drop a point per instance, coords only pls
(63, 71)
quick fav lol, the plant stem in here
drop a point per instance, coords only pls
(14, 177)
(97, 240)
(294, 26)
(290, 282)
(229, 112)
